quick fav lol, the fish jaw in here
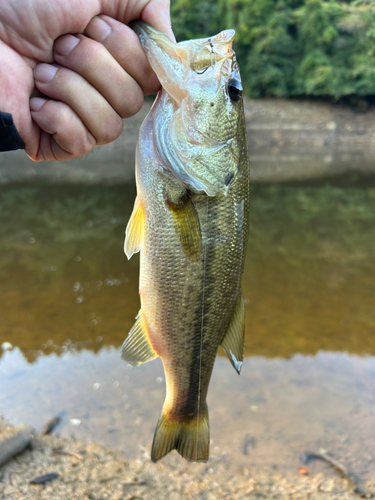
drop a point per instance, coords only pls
(162, 55)
(178, 64)
(198, 140)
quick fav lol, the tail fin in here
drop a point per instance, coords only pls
(190, 439)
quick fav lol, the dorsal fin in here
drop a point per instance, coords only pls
(233, 341)
(135, 230)
(137, 348)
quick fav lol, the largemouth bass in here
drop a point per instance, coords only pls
(190, 224)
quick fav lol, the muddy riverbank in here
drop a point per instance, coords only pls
(289, 140)
(88, 471)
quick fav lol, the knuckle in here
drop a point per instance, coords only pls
(116, 128)
(150, 84)
(92, 51)
(111, 131)
(132, 105)
(70, 133)
(83, 144)
(82, 55)
(89, 143)
(61, 115)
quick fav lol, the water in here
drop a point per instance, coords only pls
(68, 298)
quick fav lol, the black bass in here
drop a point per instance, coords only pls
(190, 224)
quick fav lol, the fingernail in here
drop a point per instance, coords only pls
(44, 73)
(36, 103)
(65, 44)
(99, 29)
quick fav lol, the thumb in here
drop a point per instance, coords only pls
(157, 13)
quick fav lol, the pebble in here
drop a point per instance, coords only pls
(45, 478)
(106, 474)
(14, 442)
(75, 421)
(303, 471)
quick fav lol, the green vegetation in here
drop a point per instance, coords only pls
(291, 47)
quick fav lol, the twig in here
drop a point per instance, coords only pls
(50, 426)
(249, 441)
(339, 468)
(68, 453)
(107, 479)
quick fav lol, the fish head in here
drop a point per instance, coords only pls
(202, 83)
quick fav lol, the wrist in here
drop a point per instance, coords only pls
(10, 139)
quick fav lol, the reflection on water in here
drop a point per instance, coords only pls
(69, 296)
(64, 278)
(310, 274)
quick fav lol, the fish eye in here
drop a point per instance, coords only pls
(234, 90)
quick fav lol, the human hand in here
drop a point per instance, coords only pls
(82, 85)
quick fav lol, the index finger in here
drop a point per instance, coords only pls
(124, 45)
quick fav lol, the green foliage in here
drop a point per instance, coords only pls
(291, 47)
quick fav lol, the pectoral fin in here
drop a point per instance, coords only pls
(233, 341)
(187, 226)
(135, 230)
(137, 348)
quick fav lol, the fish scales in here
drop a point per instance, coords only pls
(190, 223)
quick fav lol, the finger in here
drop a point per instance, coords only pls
(125, 47)
(154, 12)
(63, 136)
(157, 13)
(61, 84)
(97, 66)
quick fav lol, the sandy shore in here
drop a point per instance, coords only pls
(88, 471)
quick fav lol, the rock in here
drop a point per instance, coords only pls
(6, 346)
(15, 442)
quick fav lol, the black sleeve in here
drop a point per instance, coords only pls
(9, 137)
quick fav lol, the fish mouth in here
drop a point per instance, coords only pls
(166, 58)
(173, 62)
(222, 42)
(141, 26)
(156, 43)
(146, 31)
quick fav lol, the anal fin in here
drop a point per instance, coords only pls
(135, 230)
(233, 341)
(137, 348)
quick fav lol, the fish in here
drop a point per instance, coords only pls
(190, 225)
